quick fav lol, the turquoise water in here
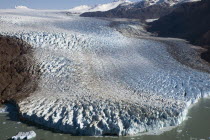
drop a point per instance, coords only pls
(196, 127)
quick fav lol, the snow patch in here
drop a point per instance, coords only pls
(151, 20)
(169, 2)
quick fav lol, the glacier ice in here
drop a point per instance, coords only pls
(3, 109)
(24, 135)
(96, 81)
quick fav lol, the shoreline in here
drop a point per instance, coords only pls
(189, 129)
(13, 108)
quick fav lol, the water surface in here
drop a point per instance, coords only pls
(196, 127)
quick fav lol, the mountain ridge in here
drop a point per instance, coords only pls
(146, 9)
(100, 7)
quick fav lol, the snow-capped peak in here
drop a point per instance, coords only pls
(21, 7)
(80, 9)
(100, 7)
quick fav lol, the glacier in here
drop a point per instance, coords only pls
(95, 81)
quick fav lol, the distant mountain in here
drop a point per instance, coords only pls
(145, 9)
(21, 7)
(190, 21)
(100, 7)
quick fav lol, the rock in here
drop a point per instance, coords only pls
(24, 135)
(16, 79)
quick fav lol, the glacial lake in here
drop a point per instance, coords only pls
(196, 127)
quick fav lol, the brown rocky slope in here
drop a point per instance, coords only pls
(18, 71)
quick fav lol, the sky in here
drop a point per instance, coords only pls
(49, 4)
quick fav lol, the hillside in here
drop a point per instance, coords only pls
(146, 9)
(190, 21)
